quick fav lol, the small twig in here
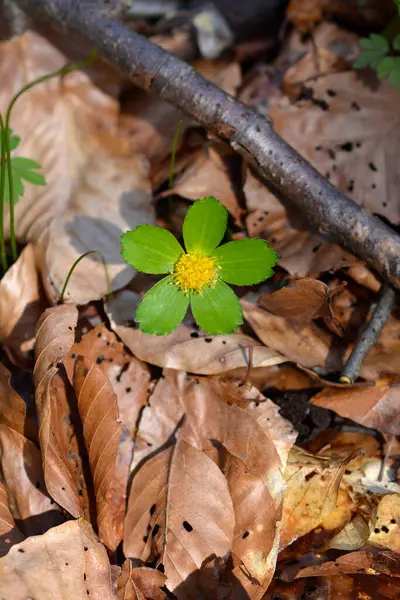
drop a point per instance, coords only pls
(369, 336)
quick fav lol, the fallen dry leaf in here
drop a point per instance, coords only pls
(307, 299)
(21, 302)
(384, 356)
(301, 253)
(59, 446)
(96, 188)
(210, 174)
(253, 467)
(303, 343)
(184, 349)
(9, 532)
(98, 410)
(79, 566)
(340, 132)
(13, 408)
(141, 583)
(374, 407)
(370, 563)
(179, 509)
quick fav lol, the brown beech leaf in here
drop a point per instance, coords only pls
(59, 446)
(96, 187)
(9, 532)
(98, 409)
(371, 563)
(307, 299)
(141, 583)
(384, 356)
(66, 562)
(13, 408)
(130, 381)
(209, 175)
(375, 407)
(180, 510)
(303, 343)
(21, 302)
(312, 496)
(212, 409)
(344, 142)
(186, 348)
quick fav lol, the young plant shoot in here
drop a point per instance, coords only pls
(198, 276)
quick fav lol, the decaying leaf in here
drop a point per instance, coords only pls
(312, 496)
(179, 509)
(375, 407)
(386, 532)
(98, 409)
(186, 348)
(96, 188)
(141, 583)
(303, 343)
(66, 562)
(21, 302)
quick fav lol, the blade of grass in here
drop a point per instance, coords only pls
(172, 163)
(3, 255)
(76, 263)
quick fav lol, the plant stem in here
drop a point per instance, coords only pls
(172, 163)
(6, 146)
(369, 336)
(76, 263)
(3, 255)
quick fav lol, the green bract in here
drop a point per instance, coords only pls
(199, 276)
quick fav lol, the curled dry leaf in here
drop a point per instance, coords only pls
(21, 302)
(9, 532)
(96, 188)
(370, 563)
(375, 407)
(344, 141)
(141, 583)
(79, 564)
(98, 410)
(130, 382)
(61, 457)
(180, 510)
(303, 343)
(307, 299)
(186, 349)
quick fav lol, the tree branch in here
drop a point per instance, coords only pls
(334, 216)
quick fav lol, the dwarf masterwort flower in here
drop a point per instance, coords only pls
(198, 277)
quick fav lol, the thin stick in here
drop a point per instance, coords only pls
(369, 336)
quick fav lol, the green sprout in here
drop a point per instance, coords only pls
(199, 276)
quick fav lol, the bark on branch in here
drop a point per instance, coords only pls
(329, 212)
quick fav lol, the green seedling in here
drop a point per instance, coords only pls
(200, 275)
(15, 170)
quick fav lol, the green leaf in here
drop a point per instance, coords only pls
(151, 249)
(217, 310)
(13, 140)
(375, 48)
(204, 225)
(390, 67)
(23, 169)
(162, 309)
(396, 42)
(245, 262)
